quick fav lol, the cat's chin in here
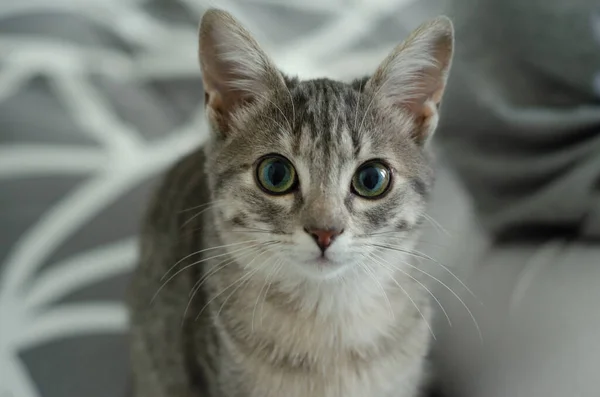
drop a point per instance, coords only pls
(324, 261)
(322, 268)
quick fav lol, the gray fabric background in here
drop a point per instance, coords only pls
(522, 118)
(521, 125)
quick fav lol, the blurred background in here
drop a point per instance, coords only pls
(99, 97)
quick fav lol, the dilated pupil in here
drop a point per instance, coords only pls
(276, 173)
(370, 178)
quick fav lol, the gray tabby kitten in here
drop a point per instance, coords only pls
(276, 256)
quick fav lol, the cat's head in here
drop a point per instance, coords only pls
(322, 176)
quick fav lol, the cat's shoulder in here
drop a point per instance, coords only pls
(182, 185)
(189, 166)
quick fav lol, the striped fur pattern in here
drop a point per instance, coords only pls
(232, 297)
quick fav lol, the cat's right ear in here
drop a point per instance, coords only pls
(235, 70)
(413, 76)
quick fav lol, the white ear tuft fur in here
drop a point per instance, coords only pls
(413, 76)
(235, 70)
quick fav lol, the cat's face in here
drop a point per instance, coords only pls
(320, 175)
(325, 179)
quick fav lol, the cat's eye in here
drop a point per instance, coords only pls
(276, 175)
(371, 180)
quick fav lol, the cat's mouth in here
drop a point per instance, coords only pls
(327, 261)
(323, 260)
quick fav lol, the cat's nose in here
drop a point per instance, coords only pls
(323, 237)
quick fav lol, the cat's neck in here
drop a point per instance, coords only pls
(348, 294)
(358, 299)
(323, 319)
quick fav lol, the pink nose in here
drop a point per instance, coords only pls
(323, 237)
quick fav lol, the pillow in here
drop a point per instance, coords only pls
(529, 152)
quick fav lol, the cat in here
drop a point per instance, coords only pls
(275, 258)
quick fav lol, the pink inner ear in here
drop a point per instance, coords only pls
(221, 107)
(437, 95)
(222, 98)
(424, 103)
(427, 102)
(235, 69)
(413, 76)
(229, 81)
(426, 118)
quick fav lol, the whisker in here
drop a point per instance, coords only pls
(260, 293)
(371, 275)
(195, 216)
(421, 255)
(255, 228)
(197, 263)
(204, 250)
(248, 231)
(278, 108)
(418, 282)
(274, 122)
(277, 268)
(436, 224)
(196, 287)
(393, 232)
(201, 206)
(260, 232)
(220, 266)
(401, 234)
(430, 243)
(425, 256)
(452, 292)
(241, 280)
(411, 299)
(239, 285)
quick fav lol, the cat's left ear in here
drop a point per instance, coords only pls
(235, 70)
(413, 77)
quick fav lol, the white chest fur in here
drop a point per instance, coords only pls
(351, 344)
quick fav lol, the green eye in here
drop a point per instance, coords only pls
(371, 180)
(276, 175)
